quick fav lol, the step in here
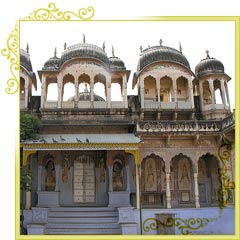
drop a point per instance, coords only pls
(84, 214)
(83, 225)
(83, 209)
(83, 220)
(83, 231)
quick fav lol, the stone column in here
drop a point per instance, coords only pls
(108, 97)
(57, 172)
(223, 93)
(110, 187)
(92, 91)
(124, 91)
(128, 177)
(39, 187)
(201, 95)
(227, 94)
(168, 192)
(138, 170)
(26, 93)
(196, 190)
(174, 91)
(191, 92)
(60, 91)
(28, 200)
(43, 91)
(212, 90)
(158, 90)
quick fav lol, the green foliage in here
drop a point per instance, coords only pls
(29, 126)
(25, 179)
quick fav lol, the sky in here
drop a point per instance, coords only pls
(127, 37)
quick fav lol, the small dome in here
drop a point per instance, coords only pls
(116, 63)
(25, 60)
(161, 54)
(86, 96)
(52, 64)
(84, 50)
(209, 66)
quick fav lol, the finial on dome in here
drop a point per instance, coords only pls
(207, 52)
(141, 49)
(113, 52)
(160, 42)
(84, 39)
(103, 47)
(55, 52)
(180, 47)
(27, 48)
(65, 46)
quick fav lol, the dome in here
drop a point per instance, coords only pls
(116, 63)
(25, 60)
(161, 53)
(209, 66)
(86, 96)
(52, 64)
(84, 50)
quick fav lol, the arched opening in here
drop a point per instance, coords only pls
(52, 93)
(166, 89)
(208, 180)
(153, 181)
(68, 88)
(226, 93)
(118, 176)
(150, 89)
(22, 89)
(182, 89)
(50, 179)
(218, 92)
(207, 96)
(181, 181)
(100, 87)
(83, 83)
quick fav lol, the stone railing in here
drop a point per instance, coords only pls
(68, 104)
(117, 104)
(185, 126)
(50, 105)
(167, 105)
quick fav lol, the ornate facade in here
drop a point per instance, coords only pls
(156, 150)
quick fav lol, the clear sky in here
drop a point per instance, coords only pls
(127, 37)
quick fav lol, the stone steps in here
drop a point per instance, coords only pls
(81, 220)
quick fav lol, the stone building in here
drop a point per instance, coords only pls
(123, 162)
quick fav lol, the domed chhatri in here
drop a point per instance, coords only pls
(84, 50)
(25, 60)
(116, 63)
(209, 66)
(161, 53)
(52, 63)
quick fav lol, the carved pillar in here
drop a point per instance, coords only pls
(168, 192)
(158, 90)
(43, 91)
(191, 92)
(110, 170)
(39, 187)
(57, 172)
(60, 91)
(223, 93)
(196, 191)
(26, 93)
(212, 91)
(92, 90)
(174, 90)
(124, 90)
(227, 93)
(201, 95)
(108, 86)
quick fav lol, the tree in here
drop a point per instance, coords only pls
(29, 126)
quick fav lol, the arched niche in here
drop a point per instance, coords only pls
(207, 97)
(50, 178)
(22, 88)
(166, 89)
(118, 176)
(150, 89)
(182, 89)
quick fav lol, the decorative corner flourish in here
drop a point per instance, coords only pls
(51, 13)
